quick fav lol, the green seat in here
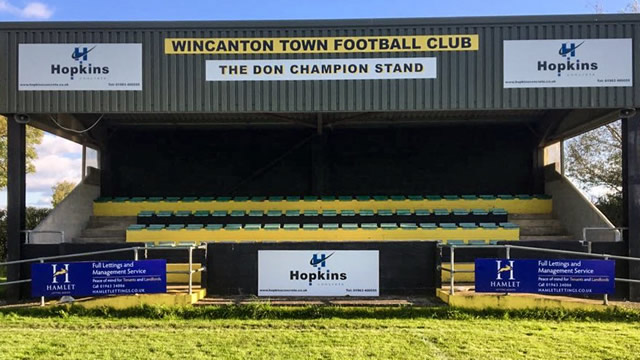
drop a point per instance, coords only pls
(276, 198)
(469, 197)
(155, 199)
(397, 198)
(135, 227)
(293, 198)
(494, 242)
(385, 212)
(433, 197)
(485, 225)
(345, 198)
(454, 242)
(468, 225)
(329, 213)
(479, 212)
(366, 212)
(328, 198)
(451, 197)
(146, 213)
(233, 227)
(183, 213)
(363, 198)
(272, 226)
(164, 213)
(331, 226)
(310, 198)
(256, 213)
(349, 226)
(219, 213)
(193, 227)
(291, 226)
(252, 226)
(415, 197)
(524, 197)
(292, 213)
(460, 212)
(369, 226)
(477, 242)
(487, 197)
(186, 243)
(542, 196)
(155, 227)
(403, 212)
(213, 227)
(201, 213)
(272, 213)
(258, 198)
(508, 225)
(223, 198)
(422, 212)
(347, 213)
(189, 199)
(448, 226)
(174, 227)
(206, 199)
(428, 226)
(499, 211)
(236, 213)
(380, 198)
(310, 226)
(166, 244)
(389, 226)
(103, 199)
(120, 199)
(506, 197)
(138, 199)
(172, 199)
(441, 212)
(241, 198)
(310, 213)
(408, 226)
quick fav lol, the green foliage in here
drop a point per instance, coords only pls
(60, 191)
(34, 137)
(33, 218)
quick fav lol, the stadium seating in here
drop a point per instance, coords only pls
(124, 206)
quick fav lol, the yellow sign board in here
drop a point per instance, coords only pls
(321, 45)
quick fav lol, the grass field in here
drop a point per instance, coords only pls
(311, 333)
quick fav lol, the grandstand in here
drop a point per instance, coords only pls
(457, 154)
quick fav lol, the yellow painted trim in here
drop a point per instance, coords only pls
(516, 301)
(459, 277)
(262, 235)
(183, 278)
(514, 206)
(127, 301)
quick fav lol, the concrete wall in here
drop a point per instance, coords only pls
(72, 214)
(573, 209)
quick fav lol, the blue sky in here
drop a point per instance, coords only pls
(61, 160)
(63, 10)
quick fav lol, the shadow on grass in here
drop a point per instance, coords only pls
(267, 311)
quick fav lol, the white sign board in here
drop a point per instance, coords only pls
(321, 69)
(568, 63)
(68, 67)
(318, 273)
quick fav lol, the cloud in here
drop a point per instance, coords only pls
(33, 10)
(51, 169)
(54, 145)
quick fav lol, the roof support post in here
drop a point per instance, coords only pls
(318, 160)
(631, 195)
(16, 199)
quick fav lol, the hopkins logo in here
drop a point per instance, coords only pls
(572, 65)
(60, 279)
(505, 278)
(322, 273)
(79, 55)
(320, 260)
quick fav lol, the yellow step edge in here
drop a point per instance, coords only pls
(183, 278)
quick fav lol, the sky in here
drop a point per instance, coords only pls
(59, 159)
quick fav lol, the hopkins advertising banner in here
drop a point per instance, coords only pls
(568, 63)
(559, 277)
(67, 67)
(318, 273)
(321, 69)
(95, 278)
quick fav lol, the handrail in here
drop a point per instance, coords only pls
(135, 250)
(508, 248)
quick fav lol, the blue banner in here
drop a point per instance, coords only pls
(98, 278)
(559, 277)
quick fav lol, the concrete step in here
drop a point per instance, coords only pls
(97, 221)
(542, 230)
(513, 217)
(547, 237)
(104, 232)
(99, 240)
(537, 222)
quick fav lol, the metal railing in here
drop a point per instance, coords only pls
(452, 270)
(617, 233)
(30, 232)
(136, 250)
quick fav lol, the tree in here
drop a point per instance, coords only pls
(34, 137)
(60, 191)
(33, 217)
